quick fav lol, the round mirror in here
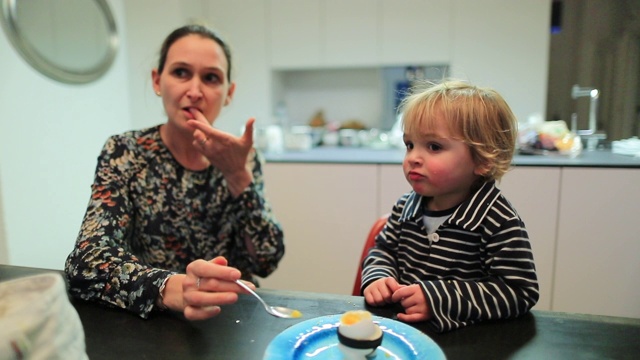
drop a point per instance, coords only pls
(73, 41)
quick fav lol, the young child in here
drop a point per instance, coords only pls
(454, 251)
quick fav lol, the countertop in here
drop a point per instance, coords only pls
(359, 155)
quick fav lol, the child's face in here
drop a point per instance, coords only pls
(439, 166)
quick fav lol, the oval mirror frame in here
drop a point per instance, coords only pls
(49, 68)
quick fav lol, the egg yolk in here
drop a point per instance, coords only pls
(350, 319)
(296, 314)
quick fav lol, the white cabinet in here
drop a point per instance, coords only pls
(535, 194)
(326, 211)
(598, 254)
(350, 32)
(295, 33)
(321, 33)
(393, 185)
(338, 33)
(415, 32)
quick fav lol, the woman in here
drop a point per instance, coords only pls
(167, 197)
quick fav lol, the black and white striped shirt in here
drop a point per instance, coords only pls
(477, 266)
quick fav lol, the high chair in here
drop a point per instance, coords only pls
(371, 238)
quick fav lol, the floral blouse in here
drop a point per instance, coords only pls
(149, 217)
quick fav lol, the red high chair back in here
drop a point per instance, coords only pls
(371, 238)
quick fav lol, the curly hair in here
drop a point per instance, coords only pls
(477, 116)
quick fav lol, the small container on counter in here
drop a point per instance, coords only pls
(268, 139)
(349, 137)
(317, 135)
(330, 138)
(298, 138)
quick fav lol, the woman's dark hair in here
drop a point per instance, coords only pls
(193, 30)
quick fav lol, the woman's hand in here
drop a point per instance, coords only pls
(225, 151)
(200, 292)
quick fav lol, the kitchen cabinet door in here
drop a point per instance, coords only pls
(415, 32)
(350, 33)
(326, 211)
(328, 33)
(392, 186)
(295, 33)
(504, 44)
(337, 33)
(535, 194)
(598, 253)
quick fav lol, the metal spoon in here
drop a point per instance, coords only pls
(277, 311)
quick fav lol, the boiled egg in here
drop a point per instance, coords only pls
(358, 334)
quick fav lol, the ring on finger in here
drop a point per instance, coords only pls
(198, 283)
(204, 141)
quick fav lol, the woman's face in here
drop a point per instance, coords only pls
(194, 79)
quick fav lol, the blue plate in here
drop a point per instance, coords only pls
(317, 338)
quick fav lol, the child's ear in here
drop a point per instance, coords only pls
(482, 169)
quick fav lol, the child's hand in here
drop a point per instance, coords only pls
(379, 292)
(414, 303)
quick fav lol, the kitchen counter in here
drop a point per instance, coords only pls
(357, 155)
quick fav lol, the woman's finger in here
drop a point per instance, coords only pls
(207, 298)
(207, 269)
(199, 116)
(199, 137)
(201, 313)
(248, 131)
(249, 284)
(219, 260)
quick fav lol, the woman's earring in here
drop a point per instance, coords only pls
(158, 93)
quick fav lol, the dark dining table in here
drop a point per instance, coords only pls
(244, 330)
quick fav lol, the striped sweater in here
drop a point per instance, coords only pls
(477, 266)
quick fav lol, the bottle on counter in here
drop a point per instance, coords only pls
(275, 134)
(281, 116)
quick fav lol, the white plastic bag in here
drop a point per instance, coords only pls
(37, 320)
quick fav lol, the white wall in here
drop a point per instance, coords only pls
(237, 22)
(50, 136)
(4, 252)
(148, 23)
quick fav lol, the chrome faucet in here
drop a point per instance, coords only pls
(590, 134)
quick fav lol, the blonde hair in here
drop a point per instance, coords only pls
(478, 116)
